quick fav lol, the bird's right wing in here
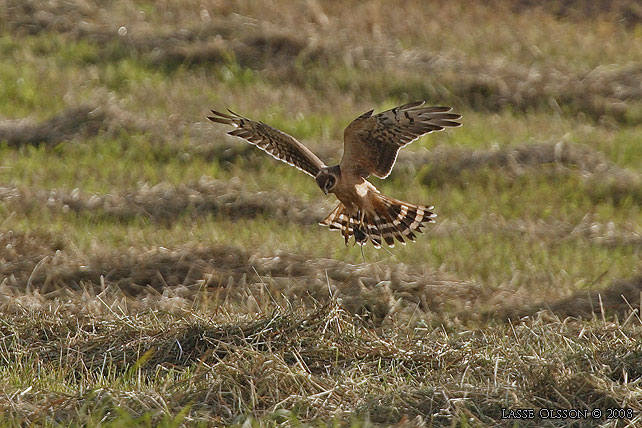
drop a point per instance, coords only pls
(371, 143)
(276, 143)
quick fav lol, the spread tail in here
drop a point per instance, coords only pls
(391, 219)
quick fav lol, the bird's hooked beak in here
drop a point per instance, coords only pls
(321, 183)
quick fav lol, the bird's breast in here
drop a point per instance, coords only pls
(362, 189)
(355, 195)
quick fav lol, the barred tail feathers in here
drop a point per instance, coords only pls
(391, 219)
(339, 219)
(398, 220)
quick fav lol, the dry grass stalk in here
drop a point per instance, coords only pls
(314, 363)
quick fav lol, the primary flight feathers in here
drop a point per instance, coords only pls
(276, 143)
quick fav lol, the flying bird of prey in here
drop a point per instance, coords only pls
(371, 144)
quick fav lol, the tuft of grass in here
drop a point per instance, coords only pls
(220, 369)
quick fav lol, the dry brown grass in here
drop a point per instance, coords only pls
(447, 164)
(164, 203)
(314, 363)
(119, 300)
(82, 121)
(179, 279)
(600, 179)
(588, 229)
(620, 299)
(625, 11)
(285, 49)
(233, 275)
(217, 41)
(74, 123)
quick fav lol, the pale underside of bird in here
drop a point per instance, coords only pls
(371, 144)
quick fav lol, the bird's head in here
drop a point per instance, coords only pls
(327, 178)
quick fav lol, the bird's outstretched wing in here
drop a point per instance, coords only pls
(276, 143)
(371, 143)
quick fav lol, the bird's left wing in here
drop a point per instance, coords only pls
(276, 143)
(371, 143)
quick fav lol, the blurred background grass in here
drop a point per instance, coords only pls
(150, 72)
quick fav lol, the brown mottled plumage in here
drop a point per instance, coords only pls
(371, 144)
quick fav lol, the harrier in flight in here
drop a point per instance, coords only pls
(371, 144)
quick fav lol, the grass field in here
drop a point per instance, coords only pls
(156, 272)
